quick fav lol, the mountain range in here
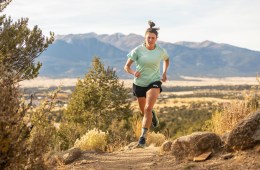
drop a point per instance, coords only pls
(71, 55)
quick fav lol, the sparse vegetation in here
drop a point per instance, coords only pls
(92, 140)
(19, 47)
(98, 101)
(182, 119)
(179, 115)
(98, 114)
(231, 113)
(155, 139)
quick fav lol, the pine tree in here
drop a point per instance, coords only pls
(99, 101)
(19, 47)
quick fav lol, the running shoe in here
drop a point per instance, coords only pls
(141, 142)
(155, 120)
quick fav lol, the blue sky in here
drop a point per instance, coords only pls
(235, 22)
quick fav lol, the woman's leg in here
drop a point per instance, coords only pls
(141, 102)
(146, 106)
(151, 97)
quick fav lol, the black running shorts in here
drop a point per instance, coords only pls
(139, 91)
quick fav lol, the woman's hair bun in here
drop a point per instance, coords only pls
(151, 24)
(152, 29)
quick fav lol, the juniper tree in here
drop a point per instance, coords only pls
(19, 47)
(99, 101)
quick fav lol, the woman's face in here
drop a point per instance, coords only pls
(150, 39)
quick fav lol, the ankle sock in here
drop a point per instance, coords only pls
(144, 132)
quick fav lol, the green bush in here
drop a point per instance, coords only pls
(20, 46)
(98, 101)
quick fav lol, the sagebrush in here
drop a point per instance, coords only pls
(155, 139)
(92, 140)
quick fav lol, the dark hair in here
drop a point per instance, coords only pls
(151, 29)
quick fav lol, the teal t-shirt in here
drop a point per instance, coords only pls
(147, 63)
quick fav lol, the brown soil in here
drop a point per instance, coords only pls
(150, 158)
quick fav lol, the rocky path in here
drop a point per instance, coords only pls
(139, 158)
(150, 158)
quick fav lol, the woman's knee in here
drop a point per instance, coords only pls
(148, 110)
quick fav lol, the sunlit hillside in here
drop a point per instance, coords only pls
(183, 107)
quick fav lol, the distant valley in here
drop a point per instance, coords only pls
(70, 56)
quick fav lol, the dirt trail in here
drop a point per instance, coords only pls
(150, 158)
(139, 158)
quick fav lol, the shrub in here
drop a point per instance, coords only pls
(30, 134)
(155, 139)
(20, 46)
(68, 133)
(98, 101)
(92, 140)
(224, 120)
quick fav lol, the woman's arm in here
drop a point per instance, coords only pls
(165, 67)
(128, 69)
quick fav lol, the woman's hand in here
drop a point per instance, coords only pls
(165, 67)
(137, 74)
(164, 77)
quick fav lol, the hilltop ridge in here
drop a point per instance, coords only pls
(70, 56)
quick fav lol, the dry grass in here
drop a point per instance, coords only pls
(179, 102)
(155, 139)
(225, 120)
(92, 140)
(137, 126)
